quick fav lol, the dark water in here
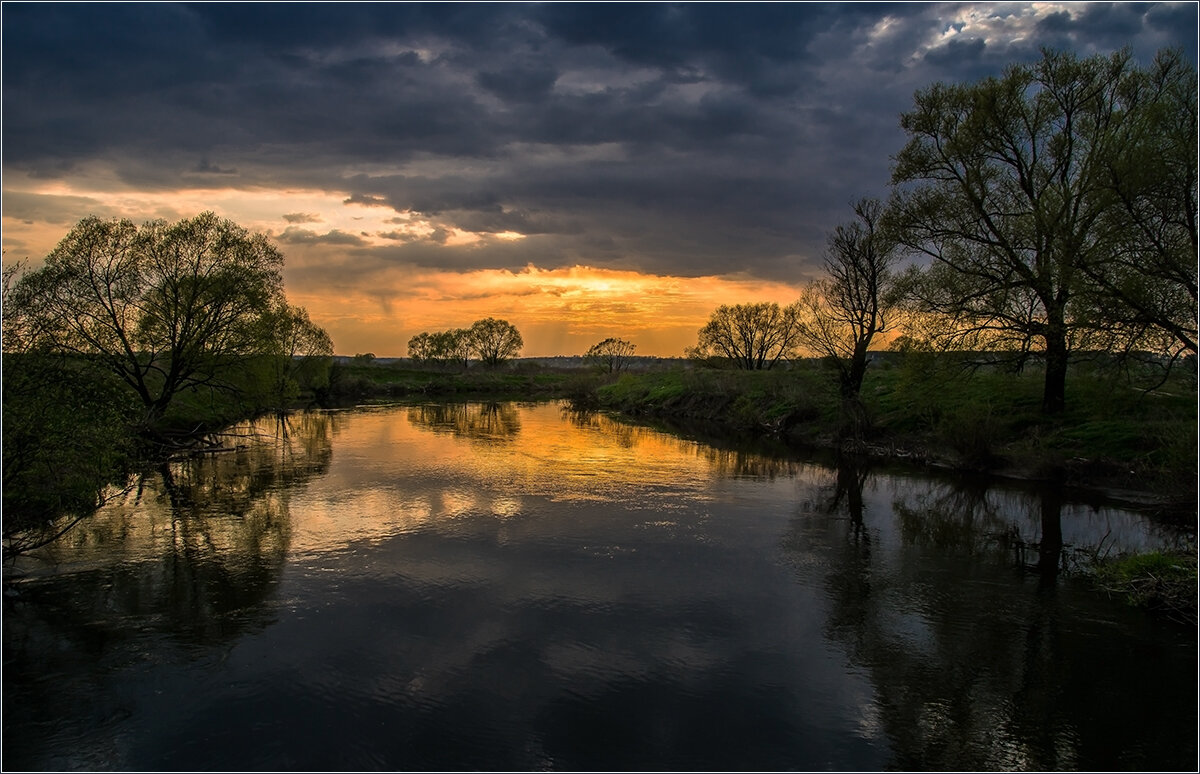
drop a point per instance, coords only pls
(514, 587)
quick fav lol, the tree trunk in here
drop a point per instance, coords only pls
(1054, 394)
(852, 379)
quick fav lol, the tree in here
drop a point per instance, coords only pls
(751, 336)
(420, 347)
(610, 355)
(494, 341)
(1009, 193)
(442, 347)
(1146, 282)
(454, 346)
(165, 307)
(842, 313)
(301, 352)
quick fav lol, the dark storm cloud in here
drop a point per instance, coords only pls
(685, 138)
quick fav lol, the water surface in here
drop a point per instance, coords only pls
(512, 586)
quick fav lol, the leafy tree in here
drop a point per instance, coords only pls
(301, 353)
(610, 355)
(442, 347)
(842, 313)
(1145, 283)
(165, 307)
(1008, 190)
(494, 341)
(456, 346)
(420, 347)
(751, 336)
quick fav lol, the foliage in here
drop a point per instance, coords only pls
(490, 340)
(65, 425)
(350, 382)
(752, 337)
(610, 355)
(1012, 191)
(495, 341)
(301, 353)
(776, 402)
(444, 347)
(1145, 282)
(65, 440)
(841, 314)
(167, 308)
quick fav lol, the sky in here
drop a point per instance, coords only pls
(580, 170)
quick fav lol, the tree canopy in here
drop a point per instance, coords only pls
(491, 341)
(495, 341)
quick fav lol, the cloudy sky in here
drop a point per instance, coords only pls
(581, 170)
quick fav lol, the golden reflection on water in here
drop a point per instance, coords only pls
(404, 468)
(231, 504)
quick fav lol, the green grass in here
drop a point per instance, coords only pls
(1160, 581)
(1111, 432)
(373, 381)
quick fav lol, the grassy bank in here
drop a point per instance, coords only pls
(373, 381)
(1112, 434)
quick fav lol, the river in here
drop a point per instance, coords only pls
(515, 586)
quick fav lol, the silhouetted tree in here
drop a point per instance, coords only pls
(302, 352)
(495, 341)
(751, 336)
(610, 355)
(165, 307)
(842, 313)
(1145, 282)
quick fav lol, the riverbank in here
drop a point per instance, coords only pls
(1112, 435)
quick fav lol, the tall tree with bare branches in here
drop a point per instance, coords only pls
(842, 313)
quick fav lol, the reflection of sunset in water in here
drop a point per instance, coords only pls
(400, 469)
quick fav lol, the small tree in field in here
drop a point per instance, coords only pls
(752, 337)
(494, 341)
(610, 355)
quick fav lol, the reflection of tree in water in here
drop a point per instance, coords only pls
(973, 667)
(489, 422)
(744, 463)
(728, 459)
(189, 557)
(973, 519)
(197, 545)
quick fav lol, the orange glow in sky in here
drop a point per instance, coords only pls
(376, 304)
